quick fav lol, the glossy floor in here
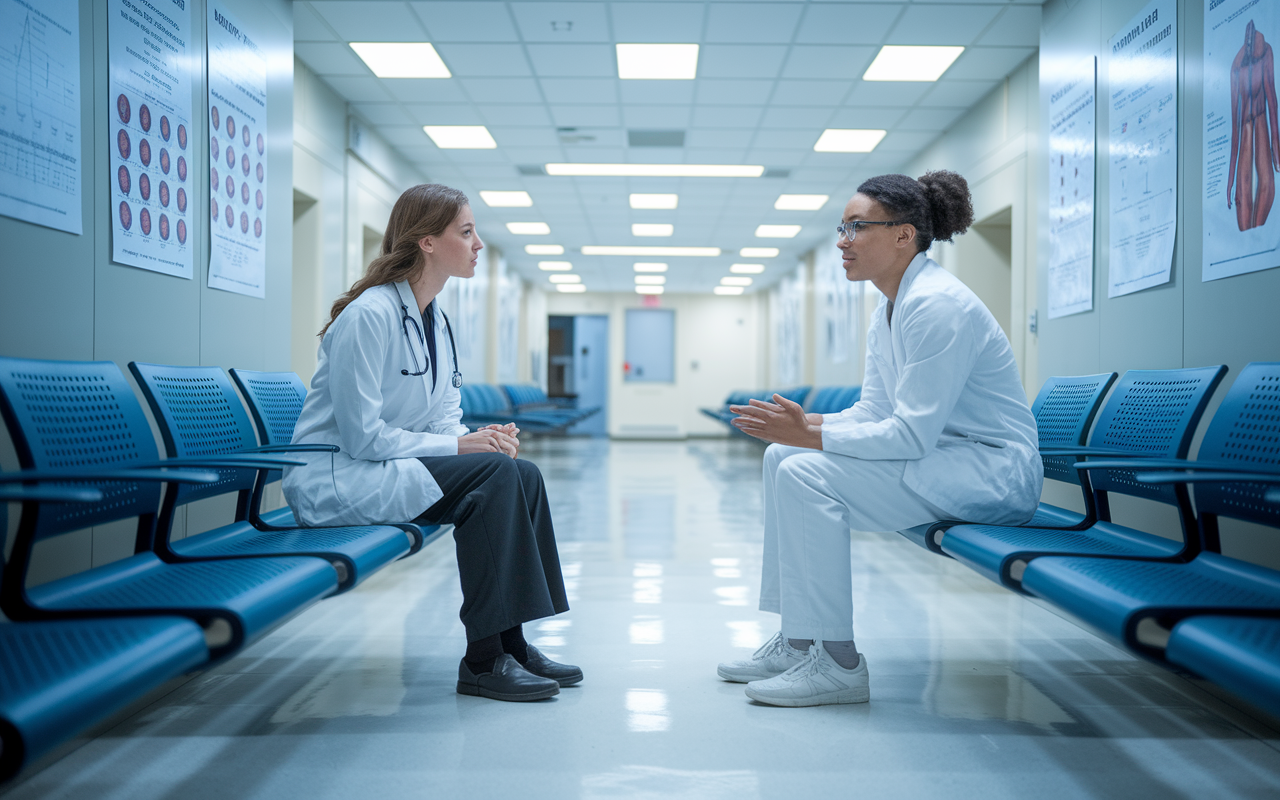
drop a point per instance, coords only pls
(975, 692)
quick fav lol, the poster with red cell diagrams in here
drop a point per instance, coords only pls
(148, 51)
(237, 157)
(1241, 138)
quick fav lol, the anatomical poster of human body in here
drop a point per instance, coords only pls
(1241, 138)
(1142, 74)
(149, 54)
(1072, 116)
(237, 157)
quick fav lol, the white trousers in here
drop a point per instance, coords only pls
(811, 500)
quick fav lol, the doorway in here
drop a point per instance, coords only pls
(307, 305)
(984, 261)
(578, 366)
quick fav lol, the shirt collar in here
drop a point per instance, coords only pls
(913, 269)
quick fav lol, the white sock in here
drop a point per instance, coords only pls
(843, 653)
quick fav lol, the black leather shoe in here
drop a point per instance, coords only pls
(563, 674)
(508, 681)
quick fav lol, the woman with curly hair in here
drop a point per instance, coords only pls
(942, 431)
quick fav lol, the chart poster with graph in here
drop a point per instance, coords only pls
(1142, 75)
(237, 157)
(41, 172)
(149, 76)
(1072, 131)
(1241, 137)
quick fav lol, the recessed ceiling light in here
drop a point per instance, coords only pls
(747, 269)
(730, 280)
(506, 199)
(641, 251)
(797, 202)
(649, 266)
(461, 137)
(544, 249)
(650, 289)
(658, 62)
(774, 231)
(571, 288)
(847, 140)
(650, 280)
(657, 170)
(758, 252)
(728, 290)
(565, 278)
(652, 229)
(402, 59)
(529, 228)
(554, 266)
(654, 200)
(911, 63)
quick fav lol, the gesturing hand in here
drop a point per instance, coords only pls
(492, 439)
(782, 421)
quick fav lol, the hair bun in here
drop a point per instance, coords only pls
(950, 204)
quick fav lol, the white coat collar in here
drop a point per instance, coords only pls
(916, 266)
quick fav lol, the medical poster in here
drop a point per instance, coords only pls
(1142, 77)
(1241, 137)
(237, 157)
(1072, 117)
(41, 172)
(148, 50)
(841, 301)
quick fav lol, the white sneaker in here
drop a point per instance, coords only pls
(774, 657)
(816, 681)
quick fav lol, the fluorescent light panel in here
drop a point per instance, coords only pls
(759, 252)
(650, 280)
(663, 201)
(554, 266)
(506, 199)
(461, 137)
(649, 266)
(566, 278)
(544, 249)
(638, 251)
(911, 63)
(529, 228)
(656, 170)
(571, 288)
(777, 231)
(657, 62)
(402, 59)
(747, 269)
(726, 281)
(650, 289)
(728, 290)
(652, 229)
(848, 140)
(799, 202)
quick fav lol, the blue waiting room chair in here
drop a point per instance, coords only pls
(69, 415)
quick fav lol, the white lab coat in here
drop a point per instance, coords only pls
(942, 392)
(383, 421)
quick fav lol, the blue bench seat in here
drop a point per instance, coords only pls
(1241, 654)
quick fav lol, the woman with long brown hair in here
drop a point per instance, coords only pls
(385, 396)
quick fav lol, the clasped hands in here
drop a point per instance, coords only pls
(781, 422)
(491, 439)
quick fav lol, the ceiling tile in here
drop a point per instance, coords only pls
(752, 22)
(444, 114)
(988, 63)
(831, 63)
(656, 117)
(714, 92)
(533, 155)
(459, 21)
(371, 21)
(358, 90)
(814, 119)
(854, 23)
(425, 90)
(308, 27)
(794, 139)
(604, 116)
(810, 93)
(484, 60)
(727, 116)
(911, 141)
(887, 93)
(525, 137)
(506, 114)
(561, 22)
(501, 90)
(404, 136)
(930, 119)
(740, 61)
(326, 58)
(865, 117)
(958, 93)
(949, 24)
(580, 90)
(717, 154)
(657, 22)
(655, 92)
(383, 113)
(574, 60)
(1018, 25)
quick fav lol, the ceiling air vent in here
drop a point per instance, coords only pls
(777, 172)
(655, 138)
(530, 169)
(574, 136)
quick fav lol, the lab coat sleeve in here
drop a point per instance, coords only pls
(941, 350)
(451, 421)
(357, 356)
(873, 404)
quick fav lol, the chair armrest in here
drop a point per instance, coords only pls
(145, 474)
(295, 448)
(49, 494)
(1097, 452)
(1208, 476)
(1164, 463)
(232, 461)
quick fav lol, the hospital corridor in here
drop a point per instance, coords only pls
(639, 399)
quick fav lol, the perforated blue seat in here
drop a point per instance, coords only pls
(200, 416)
(275, 400)
(1238, 653)
(1150, 413)
(534, 407)
(833, 399)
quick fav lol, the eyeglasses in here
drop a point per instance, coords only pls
(849, 230)
(406, 321)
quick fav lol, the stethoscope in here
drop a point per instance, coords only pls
(405, 321)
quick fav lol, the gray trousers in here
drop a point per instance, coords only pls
(507, 557)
